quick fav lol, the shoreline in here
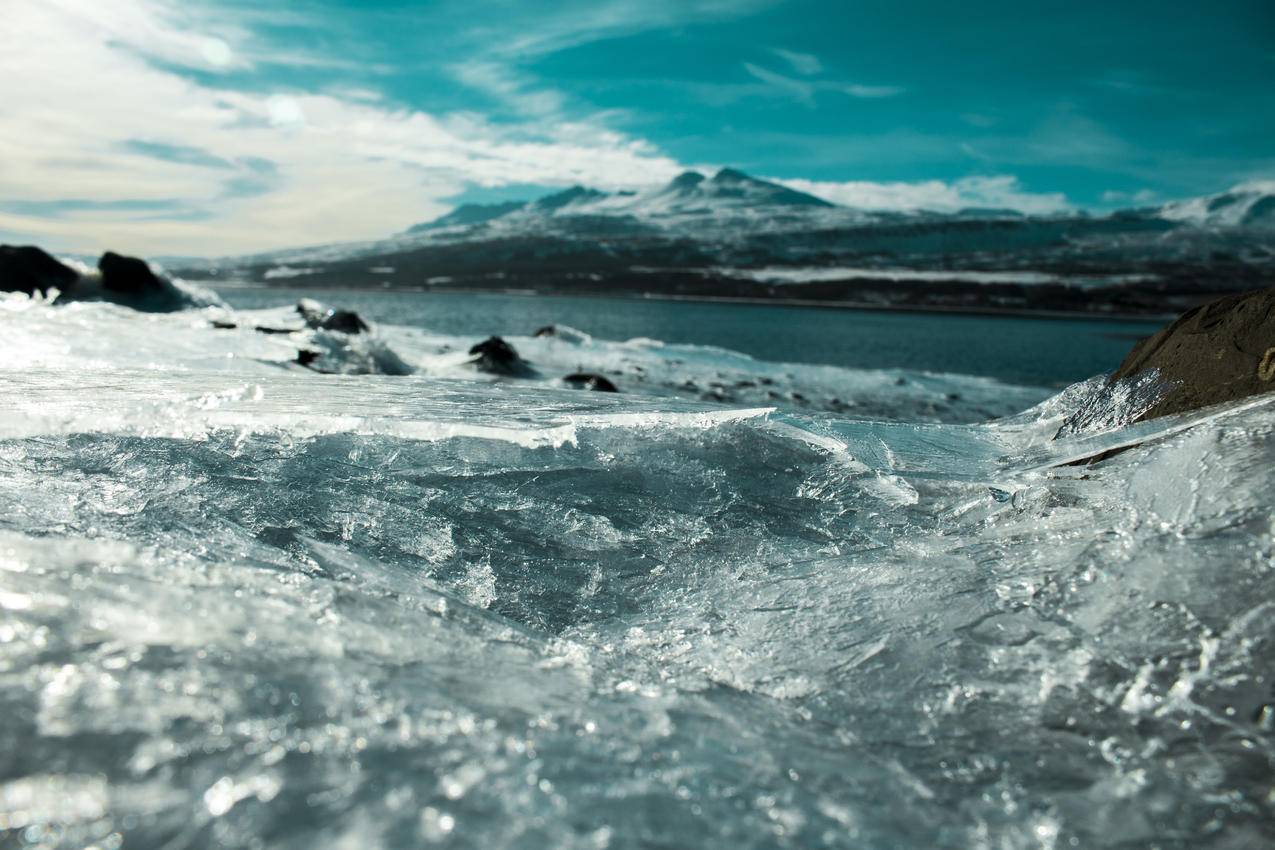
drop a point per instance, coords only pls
(745, 301)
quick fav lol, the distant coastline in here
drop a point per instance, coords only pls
(299, 284)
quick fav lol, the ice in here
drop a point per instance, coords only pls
(243, 603)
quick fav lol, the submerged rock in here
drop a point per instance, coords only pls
(322, 317)
(28, 269)
(497, 357)
(1217, 352)
(590, 381)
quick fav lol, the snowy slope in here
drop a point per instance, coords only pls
(1249, 204)
(728, 194)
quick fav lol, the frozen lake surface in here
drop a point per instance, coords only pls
(244, 604)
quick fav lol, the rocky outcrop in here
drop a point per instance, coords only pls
(1217, 352)
(497, 357)
(28, 269)
(322, 317)
(131, 282)
(129, 276)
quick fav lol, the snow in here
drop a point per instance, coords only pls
(1250, 204)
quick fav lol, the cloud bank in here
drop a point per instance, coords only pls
(997, 192)
(161, 127)
(107, 141)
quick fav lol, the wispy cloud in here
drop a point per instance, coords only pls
(535, 29)
(800, 90)
(1141, 197)
(857, 90)
(519, 93)
(995, 192)
(804, 90)
(802, 63)
(496, 53)
(114, 133)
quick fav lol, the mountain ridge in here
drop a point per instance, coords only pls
(689, 193)
(738, 237)
(733, 193)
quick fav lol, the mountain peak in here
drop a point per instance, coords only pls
(575, 194)
(687, 180)
(734, 175)
(745, 189)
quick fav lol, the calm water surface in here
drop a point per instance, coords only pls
(1048, 352)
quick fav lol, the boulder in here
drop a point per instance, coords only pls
(345, 321)
(129, 276)
(590, 381)
(28, 269)
(322, 317)
(497, 357)
(1217, 352)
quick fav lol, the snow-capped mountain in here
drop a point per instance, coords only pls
(1249, 205)
(736, 236)
(729, 194)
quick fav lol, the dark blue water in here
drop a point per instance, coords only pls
(1045, 351)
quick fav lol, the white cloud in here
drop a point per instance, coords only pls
(855, 90)
(998, 192)
(802, 63)
(90, 121)
(800, 90)
(500, 81)
(1142, 197)
(544, 28)
(158, 29)
(803, 91)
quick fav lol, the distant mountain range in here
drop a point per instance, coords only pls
(735, 236)
(689, 194)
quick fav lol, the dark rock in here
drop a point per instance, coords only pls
(547, 330)
(498, 357)
(322, 317)
(129, 276)
(307, 356)
(224, 325)
(26, 268)
(1217, 352)
(345, 321)
(590, 381)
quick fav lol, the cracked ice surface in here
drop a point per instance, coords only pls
(246, 605)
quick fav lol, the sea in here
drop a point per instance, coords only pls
(811, 578)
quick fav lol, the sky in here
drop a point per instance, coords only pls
(219, 127)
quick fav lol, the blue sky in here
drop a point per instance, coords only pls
(226, 126)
